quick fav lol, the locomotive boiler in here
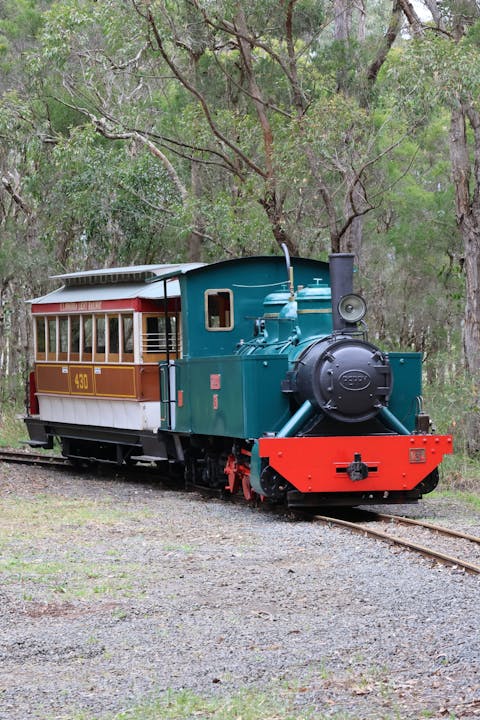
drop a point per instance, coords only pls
(242, 375)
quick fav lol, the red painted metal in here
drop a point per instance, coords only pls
(230, 471)
(248, 493)
(238, 475)
(33, 407)
(215, 382)
(135, 304)
(319, 464)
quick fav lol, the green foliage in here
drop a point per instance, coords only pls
(232, 229)
(21, 18)
(12, 429)
(105, 195)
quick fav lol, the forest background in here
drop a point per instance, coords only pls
(145, 131)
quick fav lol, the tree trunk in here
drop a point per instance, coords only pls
(343, 19)
(468, 220)
(195, 239)
(273, 200)
(352, 238)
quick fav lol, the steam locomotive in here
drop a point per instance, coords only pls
(252, 376)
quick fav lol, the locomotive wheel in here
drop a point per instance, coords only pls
(273, 484)
(429, 483)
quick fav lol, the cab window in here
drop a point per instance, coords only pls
(219, 309)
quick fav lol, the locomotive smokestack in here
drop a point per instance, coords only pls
(341, 282)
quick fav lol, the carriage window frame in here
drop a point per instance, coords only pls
(63, 338)
(41, 337)
(113, 338)
(127, 333)
(75, 332)
(154, 344)
(86, 324)
(52, 337)
(99, 334)
(210, 294)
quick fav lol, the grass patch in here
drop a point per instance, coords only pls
(277, 704)
(278, 701)
(12, 429)
(47, 515)
(71, 578)
(77, 533)
(471, 499)
(460, 472)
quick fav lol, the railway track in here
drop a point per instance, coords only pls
(368, 525)
(366, 522)
(20, 457)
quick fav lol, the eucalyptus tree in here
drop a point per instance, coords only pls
(445, 62)
(260, 114)
(22, 257)
(304, 74)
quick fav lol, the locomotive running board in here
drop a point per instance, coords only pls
(321, 464)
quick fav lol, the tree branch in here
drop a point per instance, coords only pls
(7, 184)
(100, 125)
(412, 17)
(389, 38)
(196, 93)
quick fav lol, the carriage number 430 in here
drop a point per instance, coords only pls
(81, 381)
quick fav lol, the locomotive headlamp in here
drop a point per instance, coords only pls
(352, 308)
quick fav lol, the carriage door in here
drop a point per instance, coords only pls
(167, 395)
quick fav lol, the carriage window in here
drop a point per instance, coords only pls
(154, 337)
(87, 337)
(219, 309)
(75, 337)
(127, 332)
(100, 338)
(155, 334)
(113, 345)
(63, 338)
(52, 338)
(40, 323)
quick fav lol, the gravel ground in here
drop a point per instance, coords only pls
(116, 591)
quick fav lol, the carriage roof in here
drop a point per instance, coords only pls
(136, 281)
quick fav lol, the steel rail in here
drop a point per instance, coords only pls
(440, 529)
(385, 537)
(25, 458)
